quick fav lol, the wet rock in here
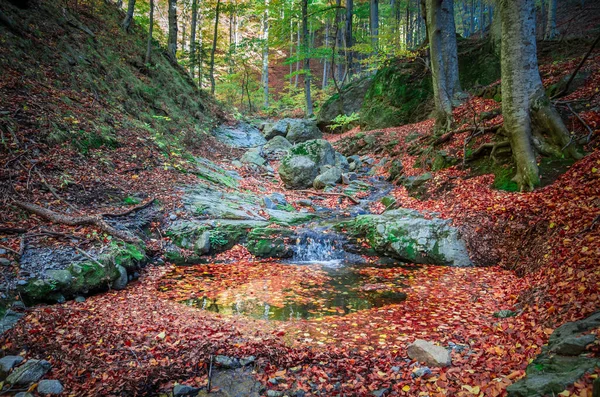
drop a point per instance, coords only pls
(348, 177)
(242, 135)
(9, 320)
(573, 345)
(270, 242)
(355, 159)
(428, 353)
(269, 203)
(7, 363)
(298, 172)
(413, 183)
(216, 174)
(408, 235)
(253, 156)
(172, 217)
(276, 148)
(274, 393)
(202, 245)
(30, 372)
(329, 177)
(50, 386)
(342, 162)
(121, 282)
(396, 170)
(184, 390)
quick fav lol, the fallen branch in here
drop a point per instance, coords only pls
(9, 250)
(93, 220)
(12, 230)
(355, 201)
(590, 131)
(82, 252)
(129, 211)
(446, 137)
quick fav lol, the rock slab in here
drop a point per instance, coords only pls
(31, 371)
(428, 353)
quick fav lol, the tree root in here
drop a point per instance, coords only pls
(493, 146)
(92, 220)
(447, 136)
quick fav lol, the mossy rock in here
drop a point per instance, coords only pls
(270, 242)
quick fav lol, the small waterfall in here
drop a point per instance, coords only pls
(318, 245)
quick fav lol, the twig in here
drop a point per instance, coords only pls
(587, 55)
(82, 252)
(591, 132)
(330, 194)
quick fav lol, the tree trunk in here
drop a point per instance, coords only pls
(298, 52)
(349, 38)
(339, 41)
(129, 16)
(325, 62)
(444, 60)
(527, 111)
(265, 54)
(193, 38)
(211, 75)
(551, 31)
(150, 29)
(306, 55)
(374, 27)
(172, 39)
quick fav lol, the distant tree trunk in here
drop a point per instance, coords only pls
(309, 106)
(172, 39)
(527, 111)
(349, 38)
(265, 54)
(193, 38)
(444, 59)
(129, 16)
(472, 19)
(211, 75)
(544, 15)
(551, 31)
(291, 47)
(326, 63)
(339, 41)
(298, 52)
(150, 29)
(374, 19)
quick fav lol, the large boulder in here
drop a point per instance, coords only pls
(302, 130)
(329, 177)
(349, 101)
(253, 156)
(410, 236)
(276, 148)
(30, 372)
(318, 150)
(268, 242)
(428, 353)
(242, 135)
(280, 128)
(298, 172)
(50, 387)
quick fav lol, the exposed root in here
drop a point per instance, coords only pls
(493, 146)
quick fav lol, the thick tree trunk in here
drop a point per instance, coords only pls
(150, 29)
(309, 106)
(193, 38)
(211, 75)
(551, 31)
(444, 60)
(265, 55)
(527, 111)
(172, 39)
(349, 37)
(129, 16)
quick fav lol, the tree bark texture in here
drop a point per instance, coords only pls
(211, 75)
(306, 45)
(150, 29)
(129, 16)
(193, 55)
(172, 39)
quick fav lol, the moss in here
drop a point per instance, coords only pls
(269, 242)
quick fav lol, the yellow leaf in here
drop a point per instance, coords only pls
(594, 169)
(471, 389)
(552, 224)
(565, 393)
(406, 388)
(135, 176)
(162, 335)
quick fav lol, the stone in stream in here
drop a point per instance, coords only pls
(30, 372)
(298, 172)
(348, 177)
(180, 390)
(342, 162)
(276, 148)
(329, 177)
(50, 386)
(253, 156)
(428, 353)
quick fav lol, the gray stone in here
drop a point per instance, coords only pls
(278, 198)
(396, 170)
(61, 277)
(184, 390)
(349, 177)
(415, 182)
(276, 148)
(305, 203)
(4, 262)
(216, 174)
(24, 394)
(242, 135)
(253, 156)
(247, 360)
(228, 362)
(79, 299)
(342, 162)
(21, 282)
(202, 245)
(367, 160)
(380, 392)
(280, 128)
(420, 372)
(9, 320)
(50, 386)
(30, 372)
(9, 362)
(408, 235)
(298, 172)
(269, 203)
(274, 393)
(329, 177)
(504, 314)
(428, 353)
(172, 217)
(302, 130)
(235, 383)
(573, 345)
(121, 282)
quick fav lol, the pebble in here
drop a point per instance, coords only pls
(21, 282)
(4, 262)
(79, 299)
(172, 217)
(50, 386)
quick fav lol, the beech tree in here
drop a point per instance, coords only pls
(172, 39)
(194, 27)
(439, 16)
(306, 47)
(129, 15)
(551, 32)
(150, 29)
(532, 123)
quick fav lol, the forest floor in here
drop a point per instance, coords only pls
(541, 250)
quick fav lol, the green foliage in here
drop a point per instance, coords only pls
(343, 122)
(130, 200)
(218, 238)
